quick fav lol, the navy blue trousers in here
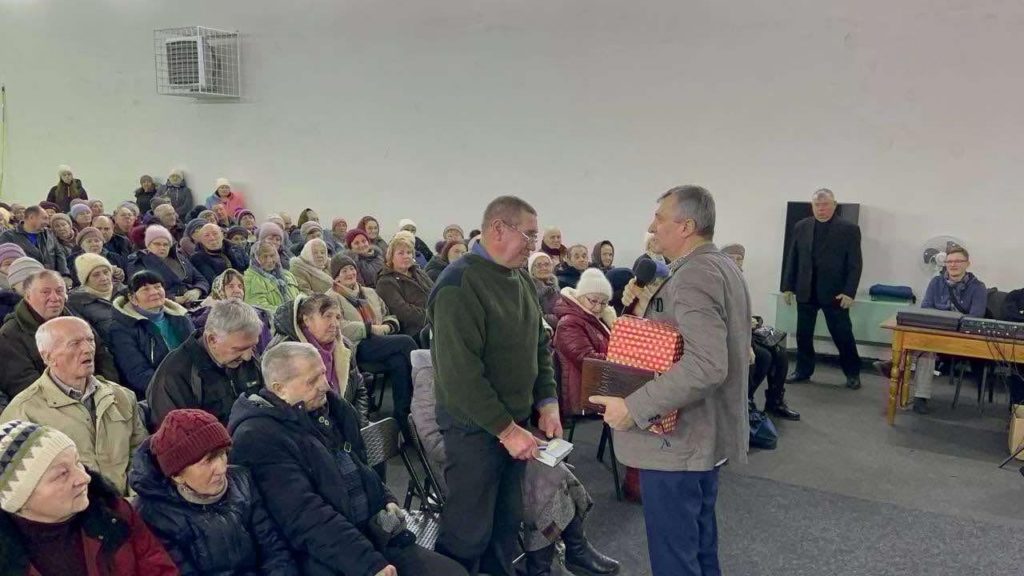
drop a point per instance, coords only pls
(682, 533)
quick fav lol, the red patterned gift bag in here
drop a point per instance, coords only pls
(647, 344)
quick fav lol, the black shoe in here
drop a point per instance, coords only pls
(580, 556)
(921, 405)
(853, 382)
(797, 377)
(783, 411)
(541, 562)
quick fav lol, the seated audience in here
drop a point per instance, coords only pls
(542, 271)
(273, 233)
(81, 217)
(247, 219)
(569, 270)
(96, 206)
(423, 252)
(212, 367)
(231, 284)
(59, 518)
(371, 228)
(189, 242)
(17, 273)
(317, 320)
(68, 188)
(286, 225)
(8, 254)
(336, 239)
(368, 258)
(223, 194)
(954, 289)
(651, 250)
(302, 444)
(145, 192)
(267, 284)
(239, 237)
(770, 360)
(449, 252)
(374, 332)
(551, 244)
(177, 192)
(37, 242)
(555, 502)
(90, 241)
(165, 216)
(183, 283)
(603, 256)
(93, 299)
(212, 256)
(453, 233)
(45, 299)
(311, 230)
(297, 236)
(208, 515)
(221, 215)
(312, 268)
(404, 287)
(103, 418)
(124, 223)
(585, 322)
(112, 242)
(64, 230)
(146, 327)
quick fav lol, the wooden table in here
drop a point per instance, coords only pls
(907, 339)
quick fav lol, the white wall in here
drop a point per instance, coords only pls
(588, 108)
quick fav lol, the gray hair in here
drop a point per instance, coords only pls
(48, 333)
(278, 364)
(694, 203)
(27, 284)
(163, 208)
(232, 316)
(508, 209)
(823, 193)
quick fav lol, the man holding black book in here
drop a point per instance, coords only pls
(705, 299)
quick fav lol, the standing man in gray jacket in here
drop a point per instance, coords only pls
(705, 298)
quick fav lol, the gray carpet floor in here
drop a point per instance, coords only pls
(845, 494)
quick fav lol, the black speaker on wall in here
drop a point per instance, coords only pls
(797, 211)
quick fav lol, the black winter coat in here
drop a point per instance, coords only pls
(121, 246)
(211, 265)
(61, 195)
(288, 458)
(189, 378)
(174, 286)
(49, 252)
(99, 313)
(568, 276)
(232, 537)
(838, 271)
(8, 300)
(137, 344)
(144, 199)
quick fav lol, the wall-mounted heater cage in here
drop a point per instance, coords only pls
(197, 61)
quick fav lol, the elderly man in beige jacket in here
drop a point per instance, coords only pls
(706, 300)
(101, 417)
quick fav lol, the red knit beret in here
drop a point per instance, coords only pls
(353, 233)
(185, 437)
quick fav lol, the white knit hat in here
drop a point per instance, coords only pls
(26, 452)
(222, 182)
(406, 222)
(533, 259)
(86, 262)
(63, 168)
(593, 281)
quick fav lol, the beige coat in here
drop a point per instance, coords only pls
(705, 298)
(106, 445)
(308, 278)
(352, 325)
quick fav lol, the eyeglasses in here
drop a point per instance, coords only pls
(596, 302)
(530, 238)
(958, 262)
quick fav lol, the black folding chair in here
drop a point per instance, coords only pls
(376, 378)
(383, 440)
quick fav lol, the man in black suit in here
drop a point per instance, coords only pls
(822, 270)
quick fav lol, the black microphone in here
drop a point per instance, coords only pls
(644, 271)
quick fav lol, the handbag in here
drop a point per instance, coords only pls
(768, 336)
(763, 433)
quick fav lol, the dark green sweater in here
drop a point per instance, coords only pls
(490, 350)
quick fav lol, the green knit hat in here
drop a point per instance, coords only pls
(26, 452)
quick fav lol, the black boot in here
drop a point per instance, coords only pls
(580, 556)
(776, 406)
(540, 562)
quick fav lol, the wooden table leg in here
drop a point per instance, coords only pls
(905, 379)
(895, 376)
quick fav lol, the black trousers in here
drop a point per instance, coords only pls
(771, 364)
(481, 517)
(417, 560)
(394, 353)
(839, 326)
